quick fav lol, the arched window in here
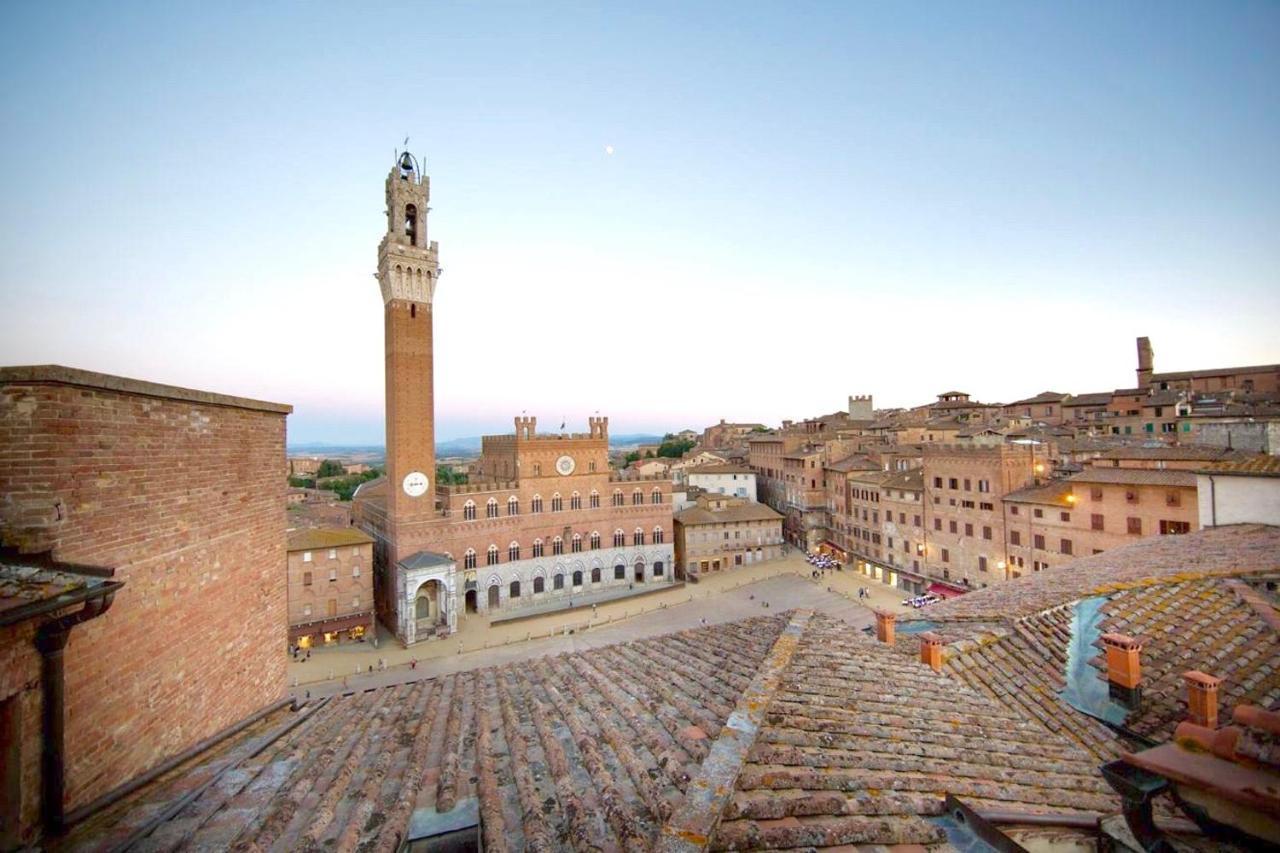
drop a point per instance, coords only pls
(595, 575)
(513, 552)
(576, 544)
(469, 559)
(491, 508)
(656, 497)
(577, 578)
(556, 503)
(595, 540)
(657, 536)
(637, 538)
(538, 584)
(535, 505)
(557, 582)
(411, 223)
(513, 505)
(537, 548)
(575, 501)
(493, 555)
(637, 497)
(557, 545)
(620, 572)
(595, 499)
(537, 469)
(657, 569)
(617, 497)
(515, 590)
(619, 538)
(469, 511)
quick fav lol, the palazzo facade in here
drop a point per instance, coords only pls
(543, 518)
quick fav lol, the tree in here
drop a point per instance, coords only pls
(331, 468)
(675, 448)
(631, 457)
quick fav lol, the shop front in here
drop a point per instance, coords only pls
(330, 632)
(946, 590)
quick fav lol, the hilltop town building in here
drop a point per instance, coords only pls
(542, 517)
(723, 532)
(330, 586)
(162, 509)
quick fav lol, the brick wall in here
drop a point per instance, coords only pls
(181, 492)
(21, 701)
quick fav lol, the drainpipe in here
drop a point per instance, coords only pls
(1213, 502)
(51, 640)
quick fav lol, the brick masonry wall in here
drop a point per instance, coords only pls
(184, 499)
(21, 701)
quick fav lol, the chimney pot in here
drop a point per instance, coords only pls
(1202, 698)
(1124, 663)
(884, 626)
(931, 650)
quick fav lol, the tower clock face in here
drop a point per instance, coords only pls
(565, 466)
(415, 484)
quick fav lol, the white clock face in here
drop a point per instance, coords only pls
(416, 484)
(565, 466)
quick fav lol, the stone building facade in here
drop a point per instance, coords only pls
(330, 575)
(180, 495)
(723, 532)
(542, 518)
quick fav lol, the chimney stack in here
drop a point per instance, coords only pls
(1124, 668)
(931, 650)
(1202, 698)
(884, 626)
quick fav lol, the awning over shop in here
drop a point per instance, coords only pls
(944, 590)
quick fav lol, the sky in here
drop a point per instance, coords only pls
(803, 201)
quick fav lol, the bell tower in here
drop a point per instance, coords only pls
(407, 274)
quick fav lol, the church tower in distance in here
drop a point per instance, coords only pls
(407, 274)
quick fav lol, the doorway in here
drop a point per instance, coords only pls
(471, 601)
(493, 597)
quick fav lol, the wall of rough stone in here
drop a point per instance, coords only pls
(182, 493)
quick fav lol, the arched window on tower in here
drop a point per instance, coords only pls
(469, 559)
(411, 223)
(595, 540)
(491, 508)
(595, 499)
(493, 555)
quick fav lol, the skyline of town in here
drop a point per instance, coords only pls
(963, 185)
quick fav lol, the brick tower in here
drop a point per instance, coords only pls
(407, 273)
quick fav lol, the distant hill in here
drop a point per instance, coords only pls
(467, 446)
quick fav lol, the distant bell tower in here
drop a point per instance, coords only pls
(1146, 362)
(407, 274)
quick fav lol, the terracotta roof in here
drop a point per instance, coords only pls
(1099, 398)
(854, 462)
(908, 480)
(1042, 397)
(719, 468)
(587, 750)
(1053, 493)
(1261, 465)
(313, 539)
(1135, 476)
(1184, 452)
(1217, 371)
(740, 512)
(1216, 551)
(859, 746)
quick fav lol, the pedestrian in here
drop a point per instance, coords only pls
(413, 663)
(371, 669)
(308, 695)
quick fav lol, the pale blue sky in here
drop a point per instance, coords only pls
(805, 201)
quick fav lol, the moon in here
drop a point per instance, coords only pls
(608, 149)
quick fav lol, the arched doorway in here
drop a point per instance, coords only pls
(426, 606)
(639, 573)
(577, 579)
(494, 594)
(471, 601)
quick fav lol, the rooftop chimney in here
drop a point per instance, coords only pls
(1202, 698)
(931, 650)
(1124, 668)
(884, 626)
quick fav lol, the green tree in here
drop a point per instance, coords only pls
(330, 468)
(675, 448)
(631, 457)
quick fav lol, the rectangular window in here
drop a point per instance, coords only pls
(986, 532)
(1013, 510)
(333, 575)
(946, 556)
(937, 524)
(1173, 528)
(1095, 493)
(355, 571)
(306, 556)
(1131, 496)
(1064, 516)
(1015, 538)
(966, 484)
(982, 564)
(1038, 512)
(968, 529)
(915, 520)
(1065, 546)
(953, 483)
(951, 526)
(937, 482)
(306, 578)
(984, 486)
(1135, 526)
(333, 553)
(355, 602)
(1037, 541)
(1096, 522)
(986, 506)
(1173, 499)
